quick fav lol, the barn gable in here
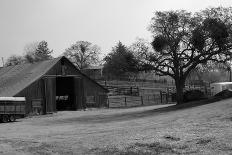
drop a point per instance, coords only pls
(44, 81)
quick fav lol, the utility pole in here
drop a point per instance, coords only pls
(230, 75)
(230, 70)
(3, 62)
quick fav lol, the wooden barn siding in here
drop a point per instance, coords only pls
(33, 91)
(92, 89)
(37, 90)
(50, 94)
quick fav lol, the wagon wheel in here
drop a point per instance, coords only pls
(5, 119)
(12, 118)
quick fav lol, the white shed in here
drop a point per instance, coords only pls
(220, 86)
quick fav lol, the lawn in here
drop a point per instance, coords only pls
(205, 129)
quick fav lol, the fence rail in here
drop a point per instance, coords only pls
(132, 101)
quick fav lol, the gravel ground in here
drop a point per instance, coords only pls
(205, 129)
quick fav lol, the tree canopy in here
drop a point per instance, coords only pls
(34, 52)
(141, 49)
(14, 60)
(120, 61)
(183, 40)
(83, 54)
(37, 52)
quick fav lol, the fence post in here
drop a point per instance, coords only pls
(167, 98)
(138, 90)
(108, 101)
(154, 98)
(125, 102)
(142, 100)
(161, 97)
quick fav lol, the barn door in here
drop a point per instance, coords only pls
(79, 93)
(50, 94)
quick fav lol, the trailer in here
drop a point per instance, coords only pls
(11, 108)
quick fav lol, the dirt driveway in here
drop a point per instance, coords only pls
(141, 130)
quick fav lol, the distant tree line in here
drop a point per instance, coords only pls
(34, 52)
(83, 54)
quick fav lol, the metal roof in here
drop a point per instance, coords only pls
(222, 83)
(12, 99)
(13, 79)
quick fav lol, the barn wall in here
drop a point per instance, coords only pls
(90, 87)
(33, 92)
(36, 91)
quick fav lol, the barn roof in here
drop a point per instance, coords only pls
(14, 79)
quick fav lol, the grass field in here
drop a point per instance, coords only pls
(205, 129)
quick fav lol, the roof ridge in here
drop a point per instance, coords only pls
(25, 74)
(42, 73)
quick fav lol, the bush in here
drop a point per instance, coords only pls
(224, 94)
(173, 97)
(193, 95)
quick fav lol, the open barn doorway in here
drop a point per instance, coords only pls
(65, 94)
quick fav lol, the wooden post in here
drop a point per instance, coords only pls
(167, 98)
(125, 102)
(3, 64)
(138, 90)
(161, 100)
(154, 98)
(142, 100)
(108, 101)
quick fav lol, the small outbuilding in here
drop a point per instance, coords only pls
(51, 86)
(220, 86)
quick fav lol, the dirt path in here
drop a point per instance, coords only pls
(144, 130)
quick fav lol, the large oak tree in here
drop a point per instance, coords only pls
(182, 41)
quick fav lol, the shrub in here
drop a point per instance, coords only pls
(224, 94)
(193, 95)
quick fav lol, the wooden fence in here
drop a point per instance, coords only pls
(127, 101)
(133, 101)
(96, 101)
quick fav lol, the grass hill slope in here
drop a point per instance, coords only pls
(205, 129)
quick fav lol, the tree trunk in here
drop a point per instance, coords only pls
(179, 91)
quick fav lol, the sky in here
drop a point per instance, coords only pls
(63, 22)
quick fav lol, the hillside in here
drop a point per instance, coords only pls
(205, 129)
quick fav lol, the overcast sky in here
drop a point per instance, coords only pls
(63, 22)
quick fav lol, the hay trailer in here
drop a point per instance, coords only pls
(11, 108)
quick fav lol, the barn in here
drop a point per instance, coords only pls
(50, 86)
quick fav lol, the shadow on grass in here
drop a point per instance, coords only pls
(102, 118)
